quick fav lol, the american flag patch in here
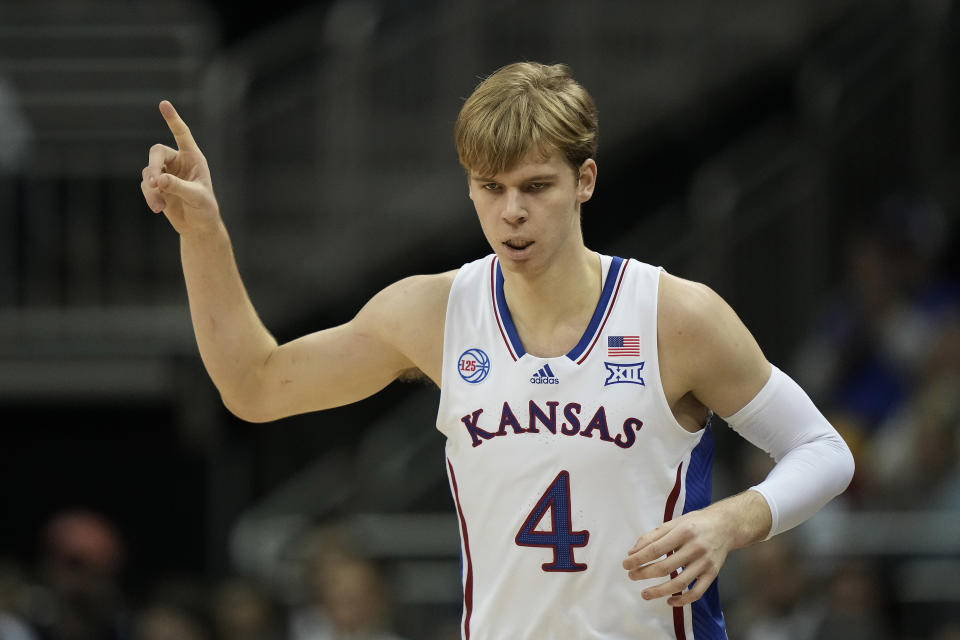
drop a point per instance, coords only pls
(619, 346)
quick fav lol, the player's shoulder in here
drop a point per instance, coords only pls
(705, 346)
(417, 298)
(423, 288)
(686, 306)
(697, 325)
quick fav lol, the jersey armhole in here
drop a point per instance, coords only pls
(669, 418)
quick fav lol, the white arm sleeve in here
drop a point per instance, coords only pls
(814, 464)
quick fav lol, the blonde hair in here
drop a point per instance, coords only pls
(522, 108)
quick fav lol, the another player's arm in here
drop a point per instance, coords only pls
(258, 379)
(706, 347)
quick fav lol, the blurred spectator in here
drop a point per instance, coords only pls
(82, 556)
(12, 628)
(165, 622)
(243, 611)
(913, 459)
(13, 597)
(784, 602)
(871, 346)
(776, 604)
(854, 607)
(349, 599)
(877, 331)
(176, 610)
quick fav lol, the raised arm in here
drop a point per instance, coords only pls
(399, 329)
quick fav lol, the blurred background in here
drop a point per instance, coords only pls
(802, 157)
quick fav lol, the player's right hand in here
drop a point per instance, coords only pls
(177, 181)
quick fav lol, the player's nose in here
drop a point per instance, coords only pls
(514, 209)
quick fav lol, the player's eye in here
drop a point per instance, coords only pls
(491, 186)
(537, 186)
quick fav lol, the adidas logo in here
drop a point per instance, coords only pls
(544, 376)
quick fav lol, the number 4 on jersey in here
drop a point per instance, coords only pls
(561, 537)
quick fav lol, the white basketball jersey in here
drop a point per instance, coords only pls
(558, 465)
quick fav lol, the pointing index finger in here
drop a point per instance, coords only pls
(179, 129)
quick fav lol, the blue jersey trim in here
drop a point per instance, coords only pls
(505, 315)
(609, 285)
(707, 616)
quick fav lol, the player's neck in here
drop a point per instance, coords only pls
(552, 309)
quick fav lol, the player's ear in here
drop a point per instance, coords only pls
(469, 186)
(586, 180)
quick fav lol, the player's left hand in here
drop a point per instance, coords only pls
(694, 546)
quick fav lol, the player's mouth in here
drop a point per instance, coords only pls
(518, 245)
(518, 248)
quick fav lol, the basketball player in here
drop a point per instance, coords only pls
(576, 388)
